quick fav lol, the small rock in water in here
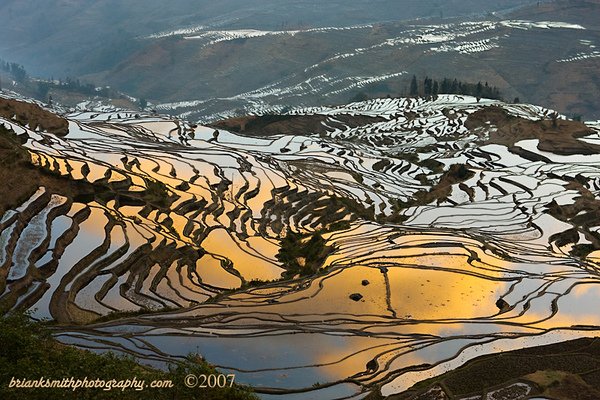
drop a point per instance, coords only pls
(183, 186)
(502, 305)
(372, 366)
(356, 296)
(365, 282)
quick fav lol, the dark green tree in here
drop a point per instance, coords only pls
(18, 72)
(479, 89)
(435, 89)
(414, 87)
(427, 86)
(454, 87)
(445, 87)
(42, 90)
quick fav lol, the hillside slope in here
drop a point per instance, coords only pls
(544, 55)
(34, 33)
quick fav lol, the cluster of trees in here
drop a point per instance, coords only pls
(431, 87)
(16, 70)
(71, 85)
(41, 88)
(75, 85)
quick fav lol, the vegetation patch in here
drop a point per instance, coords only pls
(431, 87)
(303, 254)
(563, 385)
(275, 124)
(566, 370)
(457, 173)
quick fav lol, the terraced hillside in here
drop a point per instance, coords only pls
(209, 61)
(323, 253)
(35, 33)
(544, 54)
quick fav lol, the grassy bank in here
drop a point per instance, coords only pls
(28, 351)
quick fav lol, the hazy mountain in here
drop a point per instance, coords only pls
(543, 55)
(72, 37)
(208, 60)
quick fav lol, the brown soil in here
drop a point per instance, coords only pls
(555, 136)
(20, 179)
(35, 116)
(457, 173)
(268, 125)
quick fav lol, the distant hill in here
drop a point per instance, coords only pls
(74, 37)
(205, 61)
(543, 54)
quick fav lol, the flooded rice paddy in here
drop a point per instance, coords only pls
(196, 224)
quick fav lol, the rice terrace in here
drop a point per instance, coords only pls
(381, 211)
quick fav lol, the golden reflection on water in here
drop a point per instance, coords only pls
(220, 242)
(430, 277)
(433, 294)
(211, 273)
(414, 293)
(442, 288)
